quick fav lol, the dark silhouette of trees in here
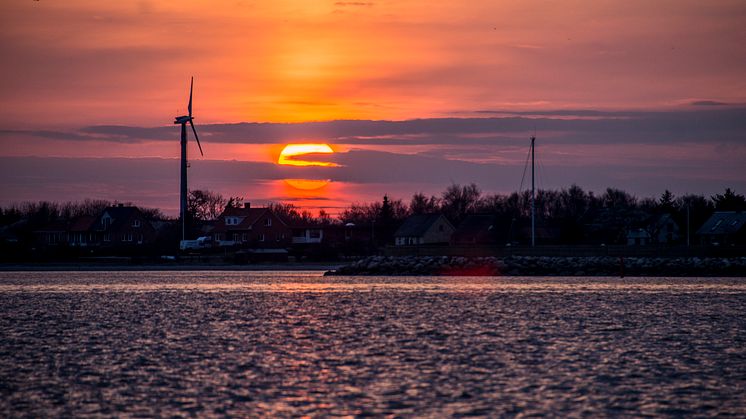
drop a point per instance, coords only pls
(729, 201)
(234, 202)
(421, 204)
(457, 201)
(205, 205)
(666, 203)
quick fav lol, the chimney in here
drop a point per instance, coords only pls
(247, 204)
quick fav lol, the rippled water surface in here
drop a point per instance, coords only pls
(298, 343)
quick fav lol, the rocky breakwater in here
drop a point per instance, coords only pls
(545, 265)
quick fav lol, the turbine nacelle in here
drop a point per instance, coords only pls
(184, 119)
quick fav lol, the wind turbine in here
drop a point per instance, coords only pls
(183, 120)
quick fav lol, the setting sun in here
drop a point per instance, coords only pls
(288, 154)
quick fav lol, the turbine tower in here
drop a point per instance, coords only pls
(183, 120)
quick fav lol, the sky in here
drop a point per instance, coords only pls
(411, 95)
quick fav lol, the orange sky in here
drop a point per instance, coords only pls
(78, 63)
(89, 62)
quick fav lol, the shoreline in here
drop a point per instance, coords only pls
(545, 266)
(62, 267)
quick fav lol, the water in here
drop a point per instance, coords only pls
(297, 343)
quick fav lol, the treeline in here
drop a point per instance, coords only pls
(574, 211)
(458, 201)
(572, 215)
(44, 212)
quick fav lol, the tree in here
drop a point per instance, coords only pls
(361, 214)
(287, 212)
(617, 199)
(420, 204)
(234, 202)
(729, 201)
(205, 205)
(457, 201)
(387, 213)
(666, 201)
(325, 218)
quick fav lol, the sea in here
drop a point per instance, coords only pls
(290, 344)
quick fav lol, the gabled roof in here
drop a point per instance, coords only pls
(417, 225)
(120, 214)
(55, 226)
(82, 223)
(249, 217)
(723, 223)
(476, 224)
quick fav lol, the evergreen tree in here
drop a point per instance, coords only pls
(666, 201)
(729, 201)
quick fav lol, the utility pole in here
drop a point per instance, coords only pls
(687, 225)
(533, 196)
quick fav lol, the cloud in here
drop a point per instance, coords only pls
(354, 3)
(709, 103)
(363, 174)
(714, 124)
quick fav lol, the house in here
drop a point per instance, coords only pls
(724, 228)
(665, 230)
(476, 229)
(251, 227)
(638, 237)
(424, 229)
(309, 234)
(52, 234)
(122, 226)
(81, 232)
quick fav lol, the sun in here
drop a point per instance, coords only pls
(307, 184)
(291, 151)
(289, 156)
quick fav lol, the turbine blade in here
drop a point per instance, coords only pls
(196, 138)
(191, 87)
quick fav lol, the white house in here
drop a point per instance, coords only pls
(424, 229)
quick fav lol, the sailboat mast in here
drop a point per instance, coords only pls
(533, 196)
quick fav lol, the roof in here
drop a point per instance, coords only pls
(249, 217)
(82, 223)
(417, 225)
(723, 223)
(120, 214)
(476, 223)
(638, 233)
(55, 226)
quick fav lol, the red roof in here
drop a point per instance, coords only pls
(82, 223)
(249, 217)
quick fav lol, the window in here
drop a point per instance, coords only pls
(136, 223)
(141, 239)
(314, 234)
(261, 237)
(107, 237)
(106, 221)
(244, 237)
(268, 222)
(235, 237)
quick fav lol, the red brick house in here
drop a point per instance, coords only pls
(123, 226)
(116, 226)
(251, 227)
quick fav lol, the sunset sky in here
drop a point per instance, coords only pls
(410, 95)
